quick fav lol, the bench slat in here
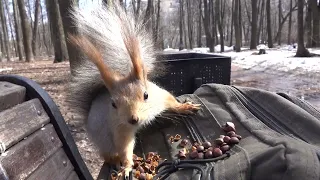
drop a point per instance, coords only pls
(57, 167)
(20, 121)
(73, 176)
(11, 95)
(26, 156)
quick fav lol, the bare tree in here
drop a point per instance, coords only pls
(270, 43)
(57, 32)
(301, 51)
(220, 8)
(69, 27)
(237, 26)
(199, 24)
(10, 26)
(180, 24)
(308, 24)
(210, 36)
(316, 24)
(232, 22)
(290, 24)
(35, 26)
(26, 31)
(17, 29)
(5, 31)
(253, 42)
(190, 24)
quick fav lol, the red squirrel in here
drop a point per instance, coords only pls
(118, 54)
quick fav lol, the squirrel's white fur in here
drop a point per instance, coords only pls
(102, 26)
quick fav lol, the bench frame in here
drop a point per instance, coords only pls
(34, 90)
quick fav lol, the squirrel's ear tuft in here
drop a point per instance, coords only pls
(95, 56)
(133, 47)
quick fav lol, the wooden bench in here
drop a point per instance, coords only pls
(35, 142)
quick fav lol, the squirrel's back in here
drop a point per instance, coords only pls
(107, 28)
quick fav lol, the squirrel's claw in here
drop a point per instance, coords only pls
(187, 108)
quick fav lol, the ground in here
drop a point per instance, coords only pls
(275, 71)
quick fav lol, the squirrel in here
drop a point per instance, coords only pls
(118, 56)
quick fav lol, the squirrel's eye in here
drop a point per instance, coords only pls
(145, 95)
(114, 105)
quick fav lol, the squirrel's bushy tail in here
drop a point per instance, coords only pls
(107, 28)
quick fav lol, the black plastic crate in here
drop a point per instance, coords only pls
(186, 71)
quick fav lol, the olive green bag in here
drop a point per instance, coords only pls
(280, 137)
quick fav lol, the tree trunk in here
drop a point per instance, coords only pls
(69, 27)
(29, 13)
(5, 31)
(213, 26)
(148, 16)
(232, 19)
(316, 24)
(199, 24)
(220, 17)
(290, 24)
(2, 47)
(180, 25)
(262, 16)
(17, 27)
(10, 26)
(157, 23)
(301, 51)
(253, 43)
(237, 26)
(308, 25)
(190, 26)
(44, 32)
(26, 31)
(270, 44)
(57, 32)
(279, 21)
(35, 26)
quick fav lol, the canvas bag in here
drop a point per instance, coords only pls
(280, 136)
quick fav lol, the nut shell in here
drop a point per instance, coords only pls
(217, 152)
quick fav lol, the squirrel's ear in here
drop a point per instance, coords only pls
(133, 48)
(95, 56)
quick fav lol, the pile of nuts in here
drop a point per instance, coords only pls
(208, 150)
(145, 169)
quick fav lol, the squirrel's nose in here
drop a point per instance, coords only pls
(134, 119)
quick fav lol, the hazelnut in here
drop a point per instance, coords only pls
(238, 136)
(200, 155)
(193, 148)
(206, 144)
(229, 126)
(225, 148)
(137, 174)
(219, 141)
(177, 137)
(226, 139)
(193, 155)
(234, 140)
(149, 176)
(136, 164)
(140, 169)
(200, 148)
(142, 176)
(231, 133)
(182, 155)
(183, 143)
(208, 154)
(217, 152)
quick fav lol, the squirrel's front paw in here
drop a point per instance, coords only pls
(187, 108)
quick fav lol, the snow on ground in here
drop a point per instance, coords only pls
(279, 58)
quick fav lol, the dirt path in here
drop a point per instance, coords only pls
(53, 78)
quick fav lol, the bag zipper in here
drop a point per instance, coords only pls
(267, 118)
